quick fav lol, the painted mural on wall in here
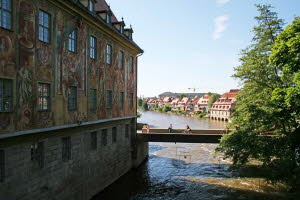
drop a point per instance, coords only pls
(28, 61)
(25, 79)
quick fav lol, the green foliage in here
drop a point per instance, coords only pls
(201, 114)
(145, 106)
(140, 102)
(166, 109)
(160, 109)
(212, 99)
(181, 95)
(269, 99)
(138, 114)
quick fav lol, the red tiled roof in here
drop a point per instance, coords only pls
(231, 94)
(185, 100)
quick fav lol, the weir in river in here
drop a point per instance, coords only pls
(186, 171)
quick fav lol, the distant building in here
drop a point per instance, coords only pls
(174, 104)
(223, 108)
(182, 104)
(202, 104)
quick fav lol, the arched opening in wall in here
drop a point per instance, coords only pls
(222, 119)
(226, 119)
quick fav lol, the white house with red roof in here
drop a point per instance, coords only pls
(174, 103)
(202, 104)
(223, 108)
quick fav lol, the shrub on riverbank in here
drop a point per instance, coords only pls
(166, 109)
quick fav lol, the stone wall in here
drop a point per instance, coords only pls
(30, 174)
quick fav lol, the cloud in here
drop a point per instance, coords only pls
(220, 26)
(222, 2)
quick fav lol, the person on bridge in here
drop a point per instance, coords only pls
(170, 128)
(148, 128)
(188, 129)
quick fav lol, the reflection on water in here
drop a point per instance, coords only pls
(163, 120)
(184, 172)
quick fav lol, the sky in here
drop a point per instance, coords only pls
(192, 43)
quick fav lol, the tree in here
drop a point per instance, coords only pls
(181, 95)
(140, 102)
(145, 106)
(269, 99)
(212, 99)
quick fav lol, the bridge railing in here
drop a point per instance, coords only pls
(194, 131)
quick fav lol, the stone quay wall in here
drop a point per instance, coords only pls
(74, 162)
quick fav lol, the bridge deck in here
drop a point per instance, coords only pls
(179, 137)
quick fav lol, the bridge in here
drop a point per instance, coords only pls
(178, 135)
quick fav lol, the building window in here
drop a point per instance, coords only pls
(108, 19)
(131, 100)
(127, 131)
(66, 148)
(2, 166)
(131, 64)
(5, 14)
(121, 100)
(93, 47)
(44, 97)
(121, 60)
(72, 98)
(108, 99)
(93, 99)
(44, 26)
(91, 6)
(73, 41)
(6, 95)
(104, 137)
(108, 54)
(94, 141)
(37, 153)
(114, 134)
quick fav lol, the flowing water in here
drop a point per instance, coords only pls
(185, 171)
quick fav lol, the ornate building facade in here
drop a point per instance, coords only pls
(68, 84)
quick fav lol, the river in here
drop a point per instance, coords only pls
(163, 120)
(186, 171)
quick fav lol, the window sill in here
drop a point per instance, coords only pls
(48, 43)
(74, 52)
(10, 30)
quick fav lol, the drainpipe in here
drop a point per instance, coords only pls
(136, 78)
